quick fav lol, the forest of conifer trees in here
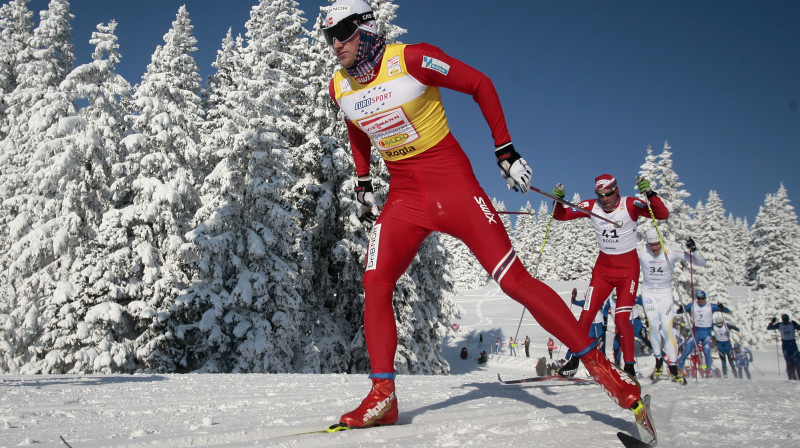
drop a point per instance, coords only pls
(190, 225)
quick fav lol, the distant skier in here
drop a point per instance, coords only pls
(722, 335)
(702, 315)
(788, 328)
(551, 345)
(617, 266)
(743, 358)
(657, 297)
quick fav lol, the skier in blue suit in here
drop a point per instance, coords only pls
(702, 316)
(788, 328)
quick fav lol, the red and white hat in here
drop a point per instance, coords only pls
(605, 182)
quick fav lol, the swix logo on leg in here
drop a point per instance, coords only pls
(379, 409)
(372, 247)
(485, 209)
(633, 287)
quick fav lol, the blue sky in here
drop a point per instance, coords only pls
(587, 86)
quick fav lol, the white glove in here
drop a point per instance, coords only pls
(513, 168)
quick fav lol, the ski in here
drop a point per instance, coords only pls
(333, 428)
(631, 442)
(537, 379)
(644, 425)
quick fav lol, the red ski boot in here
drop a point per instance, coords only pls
(617, 384)
(379, 408)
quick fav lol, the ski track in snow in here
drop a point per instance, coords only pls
(467, 408)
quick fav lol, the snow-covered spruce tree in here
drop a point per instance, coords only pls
(663, 179)
(468, 273)
(87, 331)
(16, 30)
(773, 266)
(740, 241)
(545, 226)
(243, 310)
(154, 194)
(42, 58)
(711, 228)
(36, 241)
(524, 238)
(576, 248)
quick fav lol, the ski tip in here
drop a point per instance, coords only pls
(632, 442)
(337, 427)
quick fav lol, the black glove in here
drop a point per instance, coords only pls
(774, 320)
(691, 245)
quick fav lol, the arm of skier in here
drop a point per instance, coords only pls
(564, 213)
(432, 66)
(720, 308)
(360, 143)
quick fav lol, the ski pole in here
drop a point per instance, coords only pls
(538, 262)
(777, 352)
(687, 319)
(616, 224)
(504, 212)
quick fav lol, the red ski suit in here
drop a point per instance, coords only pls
(617, 265)
(432, 188)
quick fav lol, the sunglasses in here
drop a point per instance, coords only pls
(346, 28)
(605, 195)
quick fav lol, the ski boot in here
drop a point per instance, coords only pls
(677, 377)
(617, 384)
(569, 369)
(379, 408)
(658, 370)
(630, 369)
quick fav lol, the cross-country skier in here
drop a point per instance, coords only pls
(702, 316)
(657, 298)
(617, 266)
(743, 358)
(390, 98)
(722, 334)
(788, 328)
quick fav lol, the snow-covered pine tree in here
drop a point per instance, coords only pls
(676, 228)
(42, 58)
(711, 228)
(16, 30)
(41, 207)
(242, 311)
(524, 238)
(577, 248)
(88, 331)
(773, 266)
(468, 273)
(740, 240)
(155, 195)
(545, 226)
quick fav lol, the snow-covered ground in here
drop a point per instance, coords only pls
(467, 408)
